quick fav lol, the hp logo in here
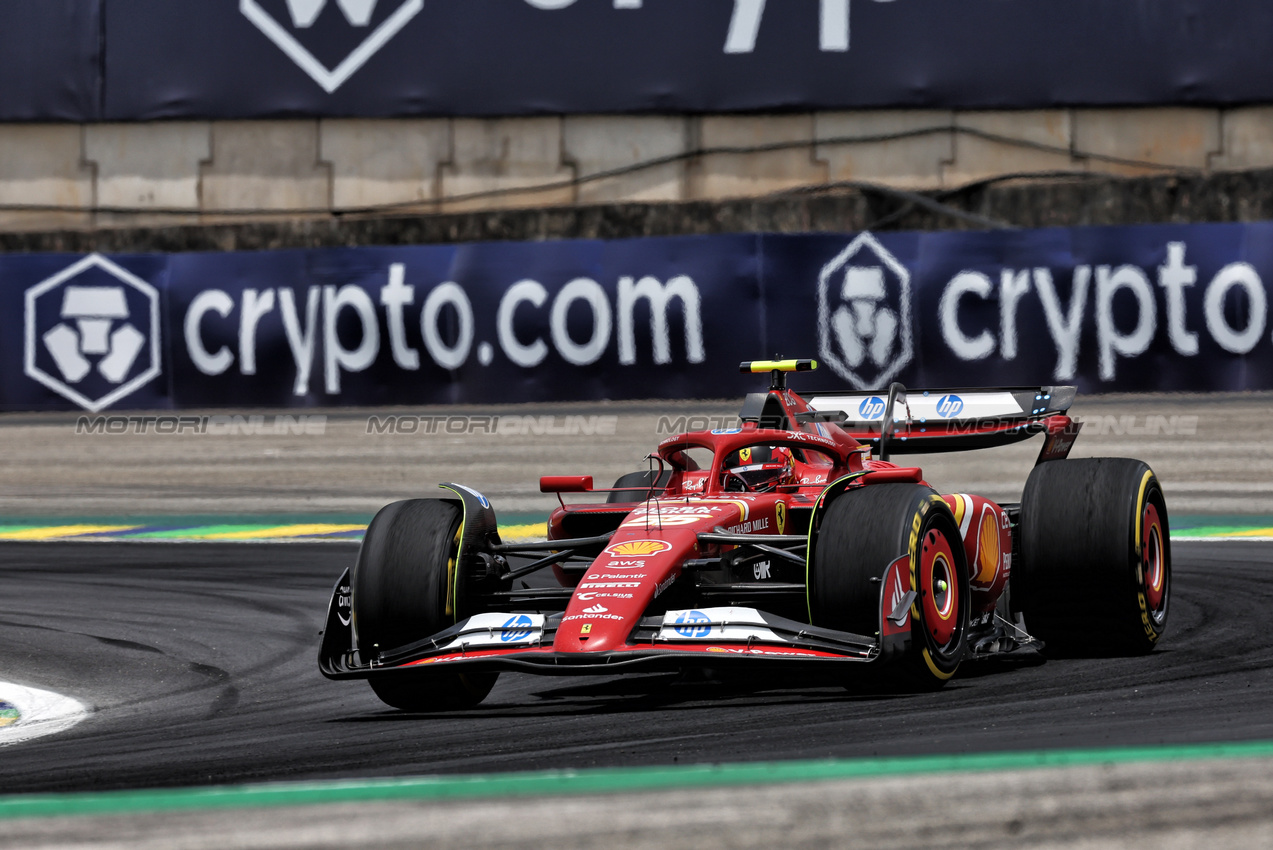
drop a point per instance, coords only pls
(693, 624)
(872, 408)
(948, 406)
(517, 628)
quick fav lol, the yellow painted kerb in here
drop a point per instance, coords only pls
(58, 532)
(300, 530)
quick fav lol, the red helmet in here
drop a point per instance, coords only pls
(758, 469)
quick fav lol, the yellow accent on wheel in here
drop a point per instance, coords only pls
(932, 668)
(1140, 506)
(450, 573)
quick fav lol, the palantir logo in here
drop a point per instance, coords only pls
(92, 333)
(864, 314)
(320, 44)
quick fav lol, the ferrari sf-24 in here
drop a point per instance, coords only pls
(791, 541)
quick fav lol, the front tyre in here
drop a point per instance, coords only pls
(404, 589)
(1095, 566)
(864, 531)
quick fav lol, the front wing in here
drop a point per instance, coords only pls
(703, 637)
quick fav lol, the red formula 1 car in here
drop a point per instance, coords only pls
(790, 541)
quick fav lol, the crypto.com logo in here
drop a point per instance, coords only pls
(83, 339)
(864, 314)
(305, 12)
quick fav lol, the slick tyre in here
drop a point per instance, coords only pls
(865, 530)
(1094, 574)
(403, 591)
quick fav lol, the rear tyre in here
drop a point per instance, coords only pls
(1094, 576)
(404, 590)
(865, 530)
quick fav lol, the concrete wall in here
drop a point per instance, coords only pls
(68, 177)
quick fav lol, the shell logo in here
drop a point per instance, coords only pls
(988, 553)
(638, 548)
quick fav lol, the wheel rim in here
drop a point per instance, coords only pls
(939, 587)
(1154, 562)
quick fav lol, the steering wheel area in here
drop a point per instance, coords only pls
(732, 482)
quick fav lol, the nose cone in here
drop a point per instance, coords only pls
(606, 607)
(615, 591)
(590, 636)
(643, 559)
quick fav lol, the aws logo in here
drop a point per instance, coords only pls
(327, 46)
(637, 548)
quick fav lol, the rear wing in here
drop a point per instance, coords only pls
(906, 421)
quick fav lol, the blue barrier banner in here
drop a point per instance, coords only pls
(270, 58)
(437, 324)
(133, 60)
(1152, 308)
(50, 60)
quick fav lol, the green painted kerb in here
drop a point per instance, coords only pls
(601, 781)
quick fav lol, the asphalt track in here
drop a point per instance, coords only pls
(199, 660)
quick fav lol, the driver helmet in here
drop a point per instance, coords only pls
(761, 468)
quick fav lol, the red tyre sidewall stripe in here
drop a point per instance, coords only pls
(1153, 563)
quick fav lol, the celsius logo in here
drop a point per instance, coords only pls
(864, 314)
(872, 408)
(517, 628)
(92, 333)
(949, 405)
(375, 22)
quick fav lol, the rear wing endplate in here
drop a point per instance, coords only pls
(906, 421)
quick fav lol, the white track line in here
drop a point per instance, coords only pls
(41, 713)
